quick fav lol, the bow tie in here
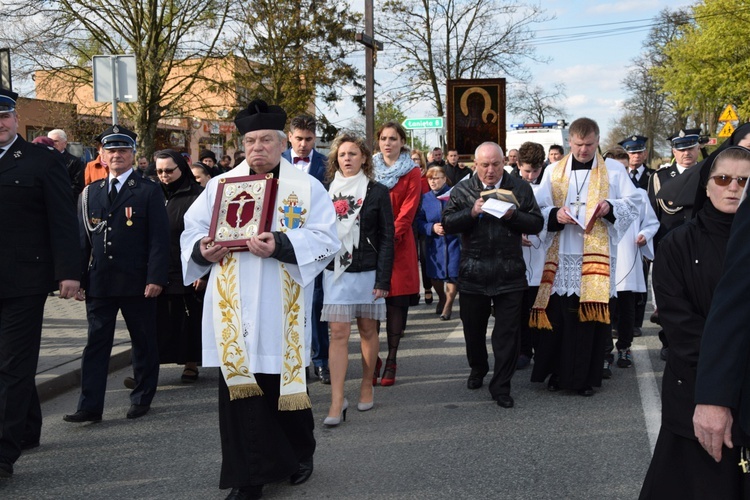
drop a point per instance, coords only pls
(306, 159)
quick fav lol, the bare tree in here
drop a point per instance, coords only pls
(61, 36)
(648, 110)
(536, 104)
(432, 41)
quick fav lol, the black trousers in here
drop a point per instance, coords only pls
(626, 307)
(140, 318)
(259, 443)
(527, 333)
(475, 313)
(642, 298)
(20, 336)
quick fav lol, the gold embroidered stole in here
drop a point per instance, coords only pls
(595, 271)
(292, 200)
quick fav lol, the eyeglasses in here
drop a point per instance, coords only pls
(725, 180)
(160, 171)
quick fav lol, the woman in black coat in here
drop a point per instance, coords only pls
(356, 283)
(179, 307)
(687, 269)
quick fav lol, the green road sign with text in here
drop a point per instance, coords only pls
(422, 123)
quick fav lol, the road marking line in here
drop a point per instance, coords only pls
(650, 397)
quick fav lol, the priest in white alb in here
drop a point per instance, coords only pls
(258, 301)
(587, 204)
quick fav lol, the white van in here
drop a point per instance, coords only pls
(546, 134)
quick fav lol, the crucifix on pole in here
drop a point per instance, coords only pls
(372, 46)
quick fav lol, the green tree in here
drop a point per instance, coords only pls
(61, 36)
(708, 62)
(296, 51)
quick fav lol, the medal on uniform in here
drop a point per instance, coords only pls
(129, 214)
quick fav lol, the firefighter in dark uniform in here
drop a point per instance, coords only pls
(640, 174)
(638, 171)
(125, 233)
(40, 252)
(686, 151)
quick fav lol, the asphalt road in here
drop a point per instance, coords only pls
(427, 437)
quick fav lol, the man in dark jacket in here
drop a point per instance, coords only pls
(492, 271)
(125, 232)
(39, 253)
(73, 164)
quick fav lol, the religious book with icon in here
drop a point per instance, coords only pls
(505, 195)
(243, 208)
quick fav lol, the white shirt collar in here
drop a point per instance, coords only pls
(120, 179)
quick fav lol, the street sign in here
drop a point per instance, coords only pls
(115, 78)
(712, 142)
(728, 115)
(727, 130)
(422, 123)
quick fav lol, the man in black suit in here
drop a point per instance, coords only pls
(40, 249)
(635, 146)
(302, 155)
(73, 164)
(125, 231)
(722, 386)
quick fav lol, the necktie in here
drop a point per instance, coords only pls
(633, 174)
(112, 191)
(306, 159)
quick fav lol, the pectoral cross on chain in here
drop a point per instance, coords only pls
(743, 461)
(578, 204)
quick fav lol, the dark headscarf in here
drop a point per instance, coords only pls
(689, 188)
(186, 174)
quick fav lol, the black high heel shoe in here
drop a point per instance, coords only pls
(428, 296)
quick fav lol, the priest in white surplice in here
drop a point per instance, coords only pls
(257, 307)
(571, 309)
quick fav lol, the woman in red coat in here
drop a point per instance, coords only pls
(395, 169)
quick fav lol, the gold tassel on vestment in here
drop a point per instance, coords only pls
(294, 402)
(244, 391)
(594, 311)
(539, 320)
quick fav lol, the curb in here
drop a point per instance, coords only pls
(67, 376)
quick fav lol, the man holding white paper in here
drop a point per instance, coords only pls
(587, 204)
(492, 270)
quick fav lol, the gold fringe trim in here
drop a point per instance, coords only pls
(294, 402)
(244, 391)
(539, 320)
(594, 311)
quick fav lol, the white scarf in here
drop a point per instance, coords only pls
(389, 176)
(348, 196)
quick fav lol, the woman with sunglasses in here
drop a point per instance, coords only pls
(179, 307)
(687, 269)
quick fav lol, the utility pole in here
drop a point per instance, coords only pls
(372, 47)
